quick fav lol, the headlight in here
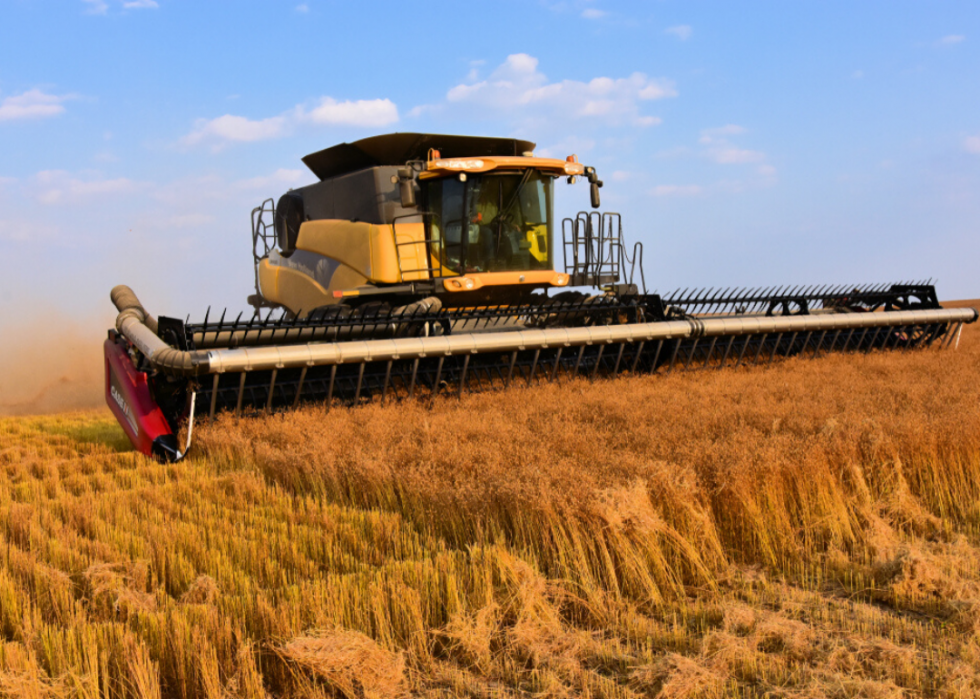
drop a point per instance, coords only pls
(458, 164)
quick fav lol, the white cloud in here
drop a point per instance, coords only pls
(593, 13)
(101, 7)
(717, 146)
(231, 128)
(568, 146)
(722, 151)
(518, 86)
(648, 121)
(303, 8)
(33, 104)
(676, 190)
(21, 230)
(234, 128)
(951, 39)
(674, 152)
(620, 176)
(972, 145)
(730, 155)
(858, 74)
(378, 112)
(421, 109)
(193, 194)
(277, 180)
(53, 187)
(718, 134)
(681, 31)
(96, 7)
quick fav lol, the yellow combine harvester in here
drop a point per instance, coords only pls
(483, 235)
(421, 262)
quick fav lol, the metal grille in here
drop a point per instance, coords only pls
(593, 247)
(263, 235)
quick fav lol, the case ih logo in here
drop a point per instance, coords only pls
(116, 396)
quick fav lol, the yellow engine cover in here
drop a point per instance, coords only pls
(368, 248)
(345, 255)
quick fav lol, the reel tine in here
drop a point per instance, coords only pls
(462, 378)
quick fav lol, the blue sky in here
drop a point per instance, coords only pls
(749, 143)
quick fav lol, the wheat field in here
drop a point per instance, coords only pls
(805, 529)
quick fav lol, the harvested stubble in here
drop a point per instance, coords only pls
(808, 529)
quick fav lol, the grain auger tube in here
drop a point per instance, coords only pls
(424, 264)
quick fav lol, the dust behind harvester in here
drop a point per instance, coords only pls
(424, 263)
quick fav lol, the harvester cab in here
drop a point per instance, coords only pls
(447, 221)
(420, 264)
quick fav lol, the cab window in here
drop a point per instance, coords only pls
(491, 222)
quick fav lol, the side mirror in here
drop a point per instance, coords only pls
(407, 191)
(594, 191)
(406, 188)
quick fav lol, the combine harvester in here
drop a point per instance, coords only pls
(422, 263)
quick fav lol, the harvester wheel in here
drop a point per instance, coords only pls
(568, 297)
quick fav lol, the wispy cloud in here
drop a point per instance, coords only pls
(54, 187)
(565, 147)
(33, 104)
(729, 155)
(972, 145)
(23, 230)
(951, 39)
(372, 113)
(303, 8)
(517, 86)
(718, 133)
(681, 31)
(720, 149)
(676, 190)
(96, 7)
(277, 180)
(593, 13)
(101, 7)
(230, 128)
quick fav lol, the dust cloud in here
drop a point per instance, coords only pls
(51, 365)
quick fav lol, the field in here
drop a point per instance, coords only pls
(805, 529)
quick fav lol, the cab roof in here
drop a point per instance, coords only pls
(399, 148)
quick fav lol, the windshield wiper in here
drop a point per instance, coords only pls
(517, 192)
(500, 218)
